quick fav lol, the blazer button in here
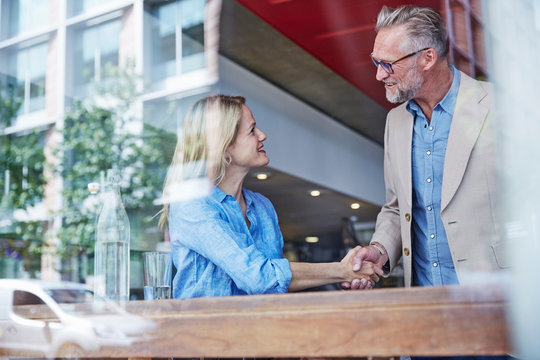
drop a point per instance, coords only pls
(408, 217)
(406, 251)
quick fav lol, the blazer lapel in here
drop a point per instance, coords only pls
(469, 116)
(403, 139)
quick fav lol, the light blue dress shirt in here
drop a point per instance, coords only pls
(432, 260)
(217, 255)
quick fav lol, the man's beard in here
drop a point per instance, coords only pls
(407, 88)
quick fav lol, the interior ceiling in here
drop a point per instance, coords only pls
(318, 51)
(302, 215)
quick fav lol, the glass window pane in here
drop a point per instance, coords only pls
(24, 305)
(169, 19)
(163, 30)
(192, 35)
(16, 78)
(93, 48)
(25, 15)
(168, 114)
(28, 67)
(108, 45)
(37, 76)
(76, 7)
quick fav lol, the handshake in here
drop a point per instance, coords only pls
(363, 266)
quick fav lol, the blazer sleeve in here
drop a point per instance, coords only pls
(388, 228)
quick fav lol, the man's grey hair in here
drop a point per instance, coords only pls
(425, 27)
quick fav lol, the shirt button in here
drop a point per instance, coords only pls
(432, 236)
(428, 180)
(435, 264)
(431, 128)
(429, 208)
(428, 152)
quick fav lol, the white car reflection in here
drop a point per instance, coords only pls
(47, 319)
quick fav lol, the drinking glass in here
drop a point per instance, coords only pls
(157, 275)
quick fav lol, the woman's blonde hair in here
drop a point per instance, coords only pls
(209, 128)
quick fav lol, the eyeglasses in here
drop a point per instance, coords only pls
(387, 65)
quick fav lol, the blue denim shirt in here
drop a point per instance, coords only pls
(432, 260)
(217, 255)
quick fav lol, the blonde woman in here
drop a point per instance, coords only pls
(229, 242)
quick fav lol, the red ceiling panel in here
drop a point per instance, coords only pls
(339, 33)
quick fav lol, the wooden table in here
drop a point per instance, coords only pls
(383, 322)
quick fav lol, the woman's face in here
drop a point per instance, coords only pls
(247, 149)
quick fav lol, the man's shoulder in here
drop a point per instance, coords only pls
(401, 108)
(481, 87)
(397, 114)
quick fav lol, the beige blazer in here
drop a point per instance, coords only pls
(468, 204)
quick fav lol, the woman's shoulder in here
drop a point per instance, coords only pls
(260, 202)
(194, 207)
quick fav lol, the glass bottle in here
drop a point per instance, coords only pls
(111, 258)
(7, 221)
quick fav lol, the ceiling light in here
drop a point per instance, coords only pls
(315, 193)
(261, 176)
(355, 206)
(312, 239)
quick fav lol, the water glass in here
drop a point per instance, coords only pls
(157, 275)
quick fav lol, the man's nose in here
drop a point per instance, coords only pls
(381, 73)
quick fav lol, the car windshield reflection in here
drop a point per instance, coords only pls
(68, 299)
(63, 320)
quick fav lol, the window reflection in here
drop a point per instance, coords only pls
(76, 7)
(27, 76)
(168, 114)
(192, 35)
(178, 37)
(24, 305)
(54, 53)
(93, 49)
(19, 16)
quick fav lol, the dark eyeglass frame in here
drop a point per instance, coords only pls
(387, 65)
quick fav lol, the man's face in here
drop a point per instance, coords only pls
(406, 80)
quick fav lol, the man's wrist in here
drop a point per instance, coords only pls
(379, 248)
(382, 250)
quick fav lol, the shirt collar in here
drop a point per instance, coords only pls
(448, 103)
(220, 196)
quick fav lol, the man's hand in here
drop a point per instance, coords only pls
(364, 274)
(364, 258)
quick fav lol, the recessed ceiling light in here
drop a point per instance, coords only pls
(261, 176)
(355, 206)
(312, 239)
(315, 193)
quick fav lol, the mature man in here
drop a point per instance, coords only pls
(439, 164)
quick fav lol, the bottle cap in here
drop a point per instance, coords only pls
(93, 187)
